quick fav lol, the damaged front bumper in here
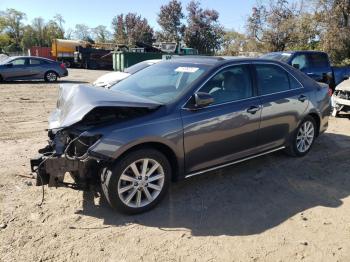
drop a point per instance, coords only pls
(67, 153)
(51, 170)
(341, 100)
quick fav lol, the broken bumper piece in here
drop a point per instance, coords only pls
(52, 170)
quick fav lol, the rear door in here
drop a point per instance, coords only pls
(284, 101)
(227, 129)
(37, 68)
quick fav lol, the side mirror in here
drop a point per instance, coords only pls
(202, 99)
(9, 65)
(297, 66)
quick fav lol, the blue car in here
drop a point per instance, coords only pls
(31, 68)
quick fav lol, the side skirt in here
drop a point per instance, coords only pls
(233, 163)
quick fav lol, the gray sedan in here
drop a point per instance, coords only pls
(177, 119)
(31, 67)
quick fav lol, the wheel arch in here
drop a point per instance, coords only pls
(168, 152)
(317, 119)
(52, 70)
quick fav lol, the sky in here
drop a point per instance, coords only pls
(233, 14)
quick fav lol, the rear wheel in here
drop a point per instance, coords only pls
(51, 76)
(137, 182)
(303, 138)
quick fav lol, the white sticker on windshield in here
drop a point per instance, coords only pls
(286, 54)
(186, 69)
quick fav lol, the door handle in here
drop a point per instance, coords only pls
(253, 109)
(302, 98)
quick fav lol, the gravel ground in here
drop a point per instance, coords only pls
(274, 208)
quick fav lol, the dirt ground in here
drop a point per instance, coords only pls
(273, 208)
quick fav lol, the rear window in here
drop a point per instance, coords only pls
(271, 79)
(34, 62)
(318, 60)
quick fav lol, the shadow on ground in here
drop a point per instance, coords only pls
(248, 198)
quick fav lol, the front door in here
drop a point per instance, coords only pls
(227, 129)
(16, 69)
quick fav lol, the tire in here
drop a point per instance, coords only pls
(300, 137)
(1, 79)
(51, 76)
(133, 194)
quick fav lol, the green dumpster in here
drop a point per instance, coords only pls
(122, 60)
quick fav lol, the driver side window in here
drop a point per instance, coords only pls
(19, 62)
(231, 84)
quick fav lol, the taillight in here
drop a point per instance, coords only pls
(330, 91)
(62, 65)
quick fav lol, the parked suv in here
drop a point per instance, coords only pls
(177, 119)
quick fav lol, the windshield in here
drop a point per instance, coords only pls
(162, 82)
(5, 60)
(283, 57)
(139, 66)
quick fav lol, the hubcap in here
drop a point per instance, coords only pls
(305, 136)
(141, 183)
(51, 76)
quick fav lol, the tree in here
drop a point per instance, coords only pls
(58, 18)
(132, 28)
(52, 30)
(12, 24)
(82, 32)
(169, 19)
(204, 31)
(119, 29)
(101, 34)
(274, 24)
(334, 19)
(38, 26)
(233, 42)
(29, 37)
(68, 34)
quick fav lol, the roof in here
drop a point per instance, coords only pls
(295, 51)
(36, 57)
(217, 60)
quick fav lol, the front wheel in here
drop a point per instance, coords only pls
(137, 182)
(303, 138)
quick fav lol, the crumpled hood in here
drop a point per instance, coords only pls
(75, 101)
(110, 78)
(344, 86)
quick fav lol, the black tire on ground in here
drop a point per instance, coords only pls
(51, 76)
(292, 149)
(110, 178)
(1, 79)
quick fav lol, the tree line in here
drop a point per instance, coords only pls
(274, 25)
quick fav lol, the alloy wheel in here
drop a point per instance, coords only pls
(305, 136)
(51, 77)
(141, 183)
